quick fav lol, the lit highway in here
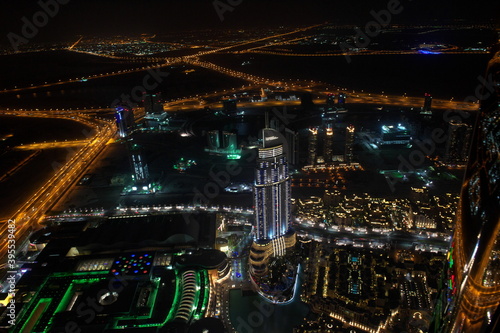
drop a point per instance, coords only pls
(355, 53)
(318, 89)
(30, 213)
(49, 145)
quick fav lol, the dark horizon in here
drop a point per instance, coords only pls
(108, 18)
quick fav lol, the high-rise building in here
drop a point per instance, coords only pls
(155, 116)
(152, 104)
(229, 141)
(273, 236)
(328, 145)
(272, 192)
(427, 102)
(306, 102)
(292, 140)
(341, 100)
(475, 252)
(349, 143)
(330, 100)
(213, 140)
(225, 143)
(458, 144)
(312, 146)
(124, 116)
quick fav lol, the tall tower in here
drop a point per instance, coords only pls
(272, 192)
(475, 259)
(349, 143)
(427, 102)
(229, 141)
(273, 236)
(458, 144)
(124, 117)
(312, 146)
(330, 100)
(213, 140)
(328, 144)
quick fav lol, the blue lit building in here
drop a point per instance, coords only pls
(272, 191)
(124, 117)
(274, 239)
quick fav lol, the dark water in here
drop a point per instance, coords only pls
(103, 92)
(27, 68)
(28, 130)
(179, 82)
(251, 313)
(441, 75)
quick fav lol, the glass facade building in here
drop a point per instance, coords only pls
(272, 189)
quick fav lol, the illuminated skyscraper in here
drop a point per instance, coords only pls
(229, 141)
(124, 117)
(328, 145)
(273, 236)
(349, 143)
(213, 139)
(458, 144)
(475, 252)
(225, 143)
(272, 192)
(312, 146)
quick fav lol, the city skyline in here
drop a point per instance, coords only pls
(234, 166)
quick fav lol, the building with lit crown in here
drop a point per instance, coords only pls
(272, 191)
(349, 143)
(273, 235)
(312, 146)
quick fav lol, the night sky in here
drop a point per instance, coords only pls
(101, 17)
